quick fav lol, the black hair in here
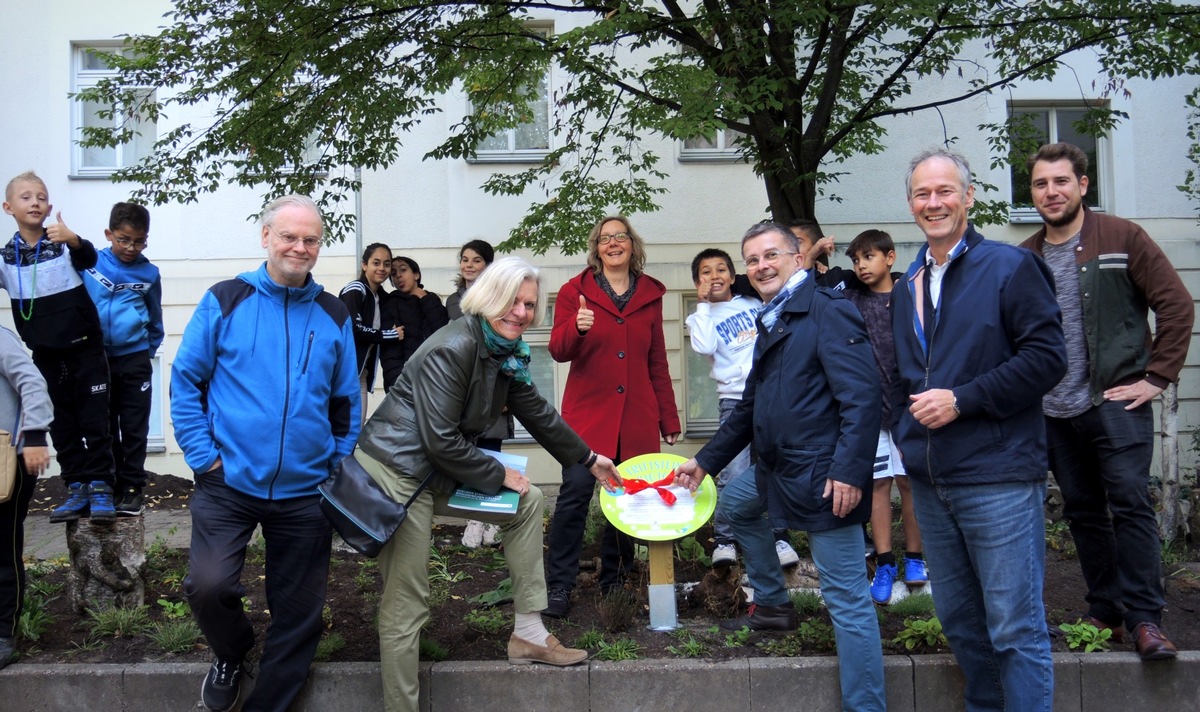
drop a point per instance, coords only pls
(483, 248)
(131, 214)
(709, 254)
(812, 230)
(412, 265)
(367, 252)
(868, 240)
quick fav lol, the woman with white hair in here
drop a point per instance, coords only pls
(450, 391)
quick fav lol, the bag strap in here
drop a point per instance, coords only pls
(420, 488)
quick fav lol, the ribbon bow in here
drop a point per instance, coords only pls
(660, 486)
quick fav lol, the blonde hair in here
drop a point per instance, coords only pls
(637, 261)
(492, 294)
(26, 177)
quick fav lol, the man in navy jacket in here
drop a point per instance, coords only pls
(978, 341)
(811, 408)
(265, 401)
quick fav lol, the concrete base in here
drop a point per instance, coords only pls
(1097, 682)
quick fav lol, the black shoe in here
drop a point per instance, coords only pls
(781, 617)
(130, 503)
(8, 651)
(559, 603)
(221, 686)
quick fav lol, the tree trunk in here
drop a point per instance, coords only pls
(108, 563)
(1170, 518)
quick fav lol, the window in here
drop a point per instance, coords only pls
(530, 140)
(700, 416)
(542, 367)
(90, 67)
(722, 147)
(155, 442)
(1035, 125)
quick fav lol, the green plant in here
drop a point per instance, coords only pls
(688, 549)
(256, 552)
(432, 650)
(621, 649)
(617, 610)
(175, 610)
(590, 639)
(1058, 537)
(501, 594)
(1085, 635)
(439, 568)
(367, 578)
(918, 605)
(118, 622)
(594, 524)
(738, 638)
(488, 622)
(34, 619)
(439, 592)
(806, 602)
(175, 636)
(688, 648)
(1172, 553)
(43, 588)
(328, 645)
(817, 635)
(919, 632)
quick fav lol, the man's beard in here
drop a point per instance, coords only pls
(1066, 219)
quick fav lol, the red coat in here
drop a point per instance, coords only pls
(619, 385)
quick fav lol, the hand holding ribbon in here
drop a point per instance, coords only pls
(660, 486)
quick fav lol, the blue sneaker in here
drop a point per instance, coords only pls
(915, 574)
(101, 496)
(881, 587)
(76, 505)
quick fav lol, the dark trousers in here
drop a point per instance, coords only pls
(129, 416)
(298, 540)
(566, 536)
(1101, 461)
(12, 544)
(77, 380)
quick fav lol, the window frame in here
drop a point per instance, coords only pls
(522, 155)
(698, 426)
(539, 336)
(1100, 188)
(725, 151)
(84, 78)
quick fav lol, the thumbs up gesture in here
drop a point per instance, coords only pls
(58, 232)
(584, 318)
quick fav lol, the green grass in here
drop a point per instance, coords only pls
(175, 636)
(919, 605)
(329, 644)
(807, 602)
(621, 649)
(118, 622)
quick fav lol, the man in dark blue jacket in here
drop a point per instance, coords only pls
(978, 341)
(264, 397)
(811, 408)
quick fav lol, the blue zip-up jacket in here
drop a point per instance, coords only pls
(996, 341)
(129, 299)
(265, 379)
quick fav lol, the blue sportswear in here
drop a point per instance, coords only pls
(129, 300)
(265, 379)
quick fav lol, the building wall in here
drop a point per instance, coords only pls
(425, 209)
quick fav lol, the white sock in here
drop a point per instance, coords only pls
(529, 627)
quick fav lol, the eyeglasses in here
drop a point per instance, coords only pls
(618, 237)
(135, 244)
(310, 243)
(770, 257)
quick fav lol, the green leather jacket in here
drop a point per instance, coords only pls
(450, 391)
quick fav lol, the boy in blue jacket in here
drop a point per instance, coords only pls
(128, 295)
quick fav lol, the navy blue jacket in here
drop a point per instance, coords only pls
(997, 343)
(811, 407)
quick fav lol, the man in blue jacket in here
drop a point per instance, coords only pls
(978, 341)
(264, 397)
(811, 408)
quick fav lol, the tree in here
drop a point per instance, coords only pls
(807, 84)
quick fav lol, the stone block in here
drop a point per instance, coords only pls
(673, 684)
(475, 685)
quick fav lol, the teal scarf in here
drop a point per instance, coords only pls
(515, 353)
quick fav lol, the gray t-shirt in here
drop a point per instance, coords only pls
(1070, 397)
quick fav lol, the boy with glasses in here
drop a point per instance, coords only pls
(128, 294)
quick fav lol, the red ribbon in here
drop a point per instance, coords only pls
(633, 486)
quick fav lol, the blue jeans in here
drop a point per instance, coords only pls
(1101, 460)
(722, 532)
(986, 549)
(838, 555)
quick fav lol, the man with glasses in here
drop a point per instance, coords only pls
(128, 294)
(812, 411)
(978, 341)
(265, 400)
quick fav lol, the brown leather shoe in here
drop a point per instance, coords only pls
(522, 652)
(1118, 631)
(781, 617)
(1151, 643)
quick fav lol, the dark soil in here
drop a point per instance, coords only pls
(463, 629)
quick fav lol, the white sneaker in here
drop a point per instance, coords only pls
(491, 534)
(724, 555)
(787, 555)
(473, 534)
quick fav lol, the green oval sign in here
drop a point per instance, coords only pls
(644, 514)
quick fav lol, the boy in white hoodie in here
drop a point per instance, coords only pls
(723, 330)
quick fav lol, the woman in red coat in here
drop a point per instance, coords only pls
(608, 322)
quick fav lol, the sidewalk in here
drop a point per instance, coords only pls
(44, 540)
